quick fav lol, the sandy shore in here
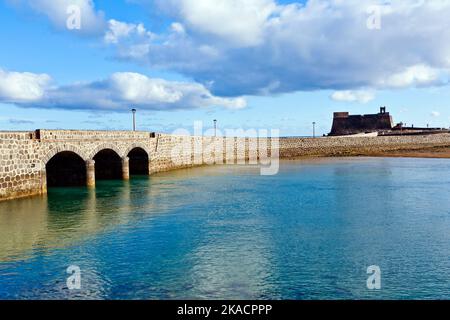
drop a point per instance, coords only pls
(437, 152)
(433, 152)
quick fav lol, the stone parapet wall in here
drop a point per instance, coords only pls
(24, 155)
(91, 135)
(15, 135)
(335, 146)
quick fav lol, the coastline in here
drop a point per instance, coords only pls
(430, 152)
(436, 152)
(433, 153)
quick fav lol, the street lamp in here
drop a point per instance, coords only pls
(314, 129)
(134, 118)
(215, 128)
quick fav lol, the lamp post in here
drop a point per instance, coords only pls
(134, 119)
(314, 129)
(215, 128)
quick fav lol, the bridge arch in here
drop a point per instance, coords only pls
(139, 160)
(104, 146)
(64, 148)
(65, 169)
(108, 164)
(135, 146)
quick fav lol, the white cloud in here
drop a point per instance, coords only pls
(22, 87)
(116, 93)
(262, 47)
(418, 75)
(118, 30)
(360, 96)
(132, 40)
(140, 89)
(92, 21)
(177, 27)
(322, 44)
(240, 22)
(435, 114)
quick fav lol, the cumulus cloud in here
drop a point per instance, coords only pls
(132, 40)
(22, 87)
(417, 75)
(240, 22)
(353, 96)
(58, 12)
(244, 47)
(117, 93)
(264, 47)
(118, 30)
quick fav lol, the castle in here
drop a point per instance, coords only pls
(380, 124)
(346, 124)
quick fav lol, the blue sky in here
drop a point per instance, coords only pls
(249, 64)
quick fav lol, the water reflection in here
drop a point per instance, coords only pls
(23, 224)
(63, 218)
(229, 233)
(67, 216)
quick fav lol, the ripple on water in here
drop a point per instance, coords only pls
(225, 232)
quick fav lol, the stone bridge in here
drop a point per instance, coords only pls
(30, 162)
(77, 158)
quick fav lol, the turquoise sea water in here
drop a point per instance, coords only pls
(226, 232)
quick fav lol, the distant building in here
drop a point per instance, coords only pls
(346, 124)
